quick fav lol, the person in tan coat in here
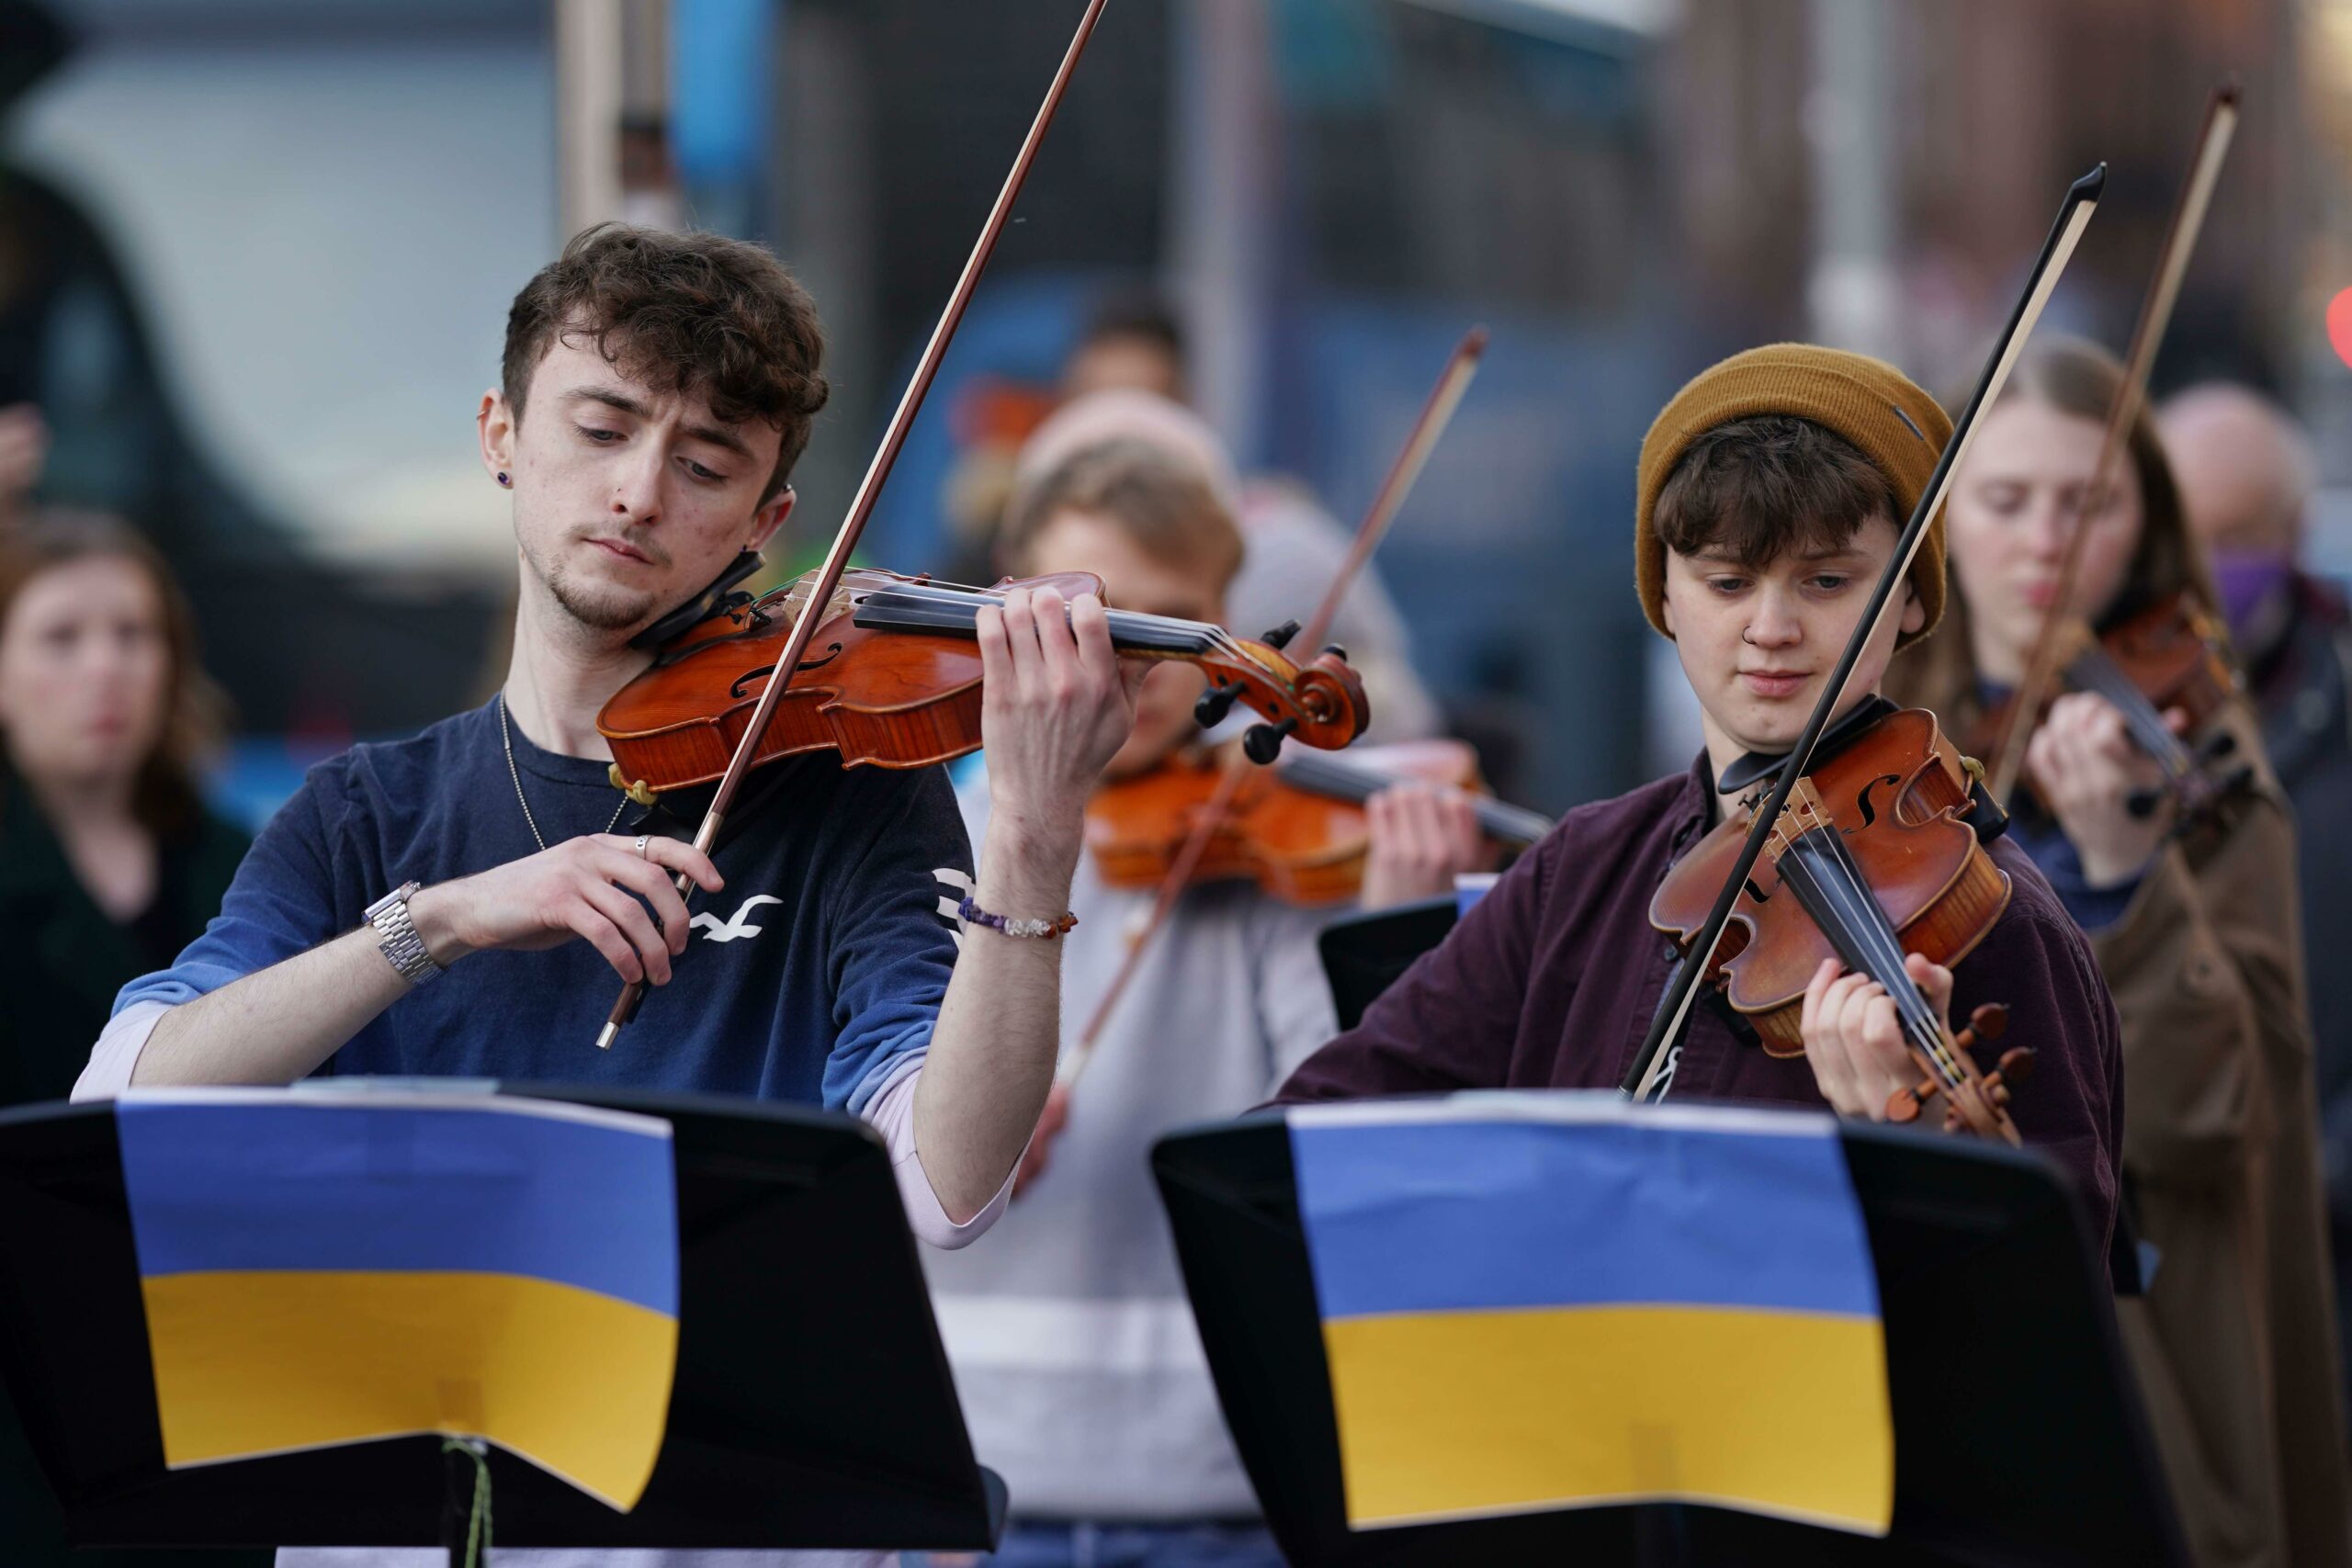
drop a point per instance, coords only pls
(2195, 928)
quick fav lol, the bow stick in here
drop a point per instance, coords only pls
(1649, 1070)
(869, 488)
(1420, 442)
(2155, 314)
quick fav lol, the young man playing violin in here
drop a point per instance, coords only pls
(1075, 1354)
(464, 903)
(1770, 493)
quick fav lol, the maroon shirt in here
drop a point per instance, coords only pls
(1552, 980)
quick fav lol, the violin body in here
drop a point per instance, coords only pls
(1896, 796)
(2168, 656)
(1303, 846)
(892, 679)
(2172, 652)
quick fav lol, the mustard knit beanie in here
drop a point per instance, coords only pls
(1889, 420)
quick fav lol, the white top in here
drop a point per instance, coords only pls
(1076, 1355)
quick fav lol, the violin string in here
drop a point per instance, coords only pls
(1818, 867)
(2095, 671)
(1872, 916)
(1919, 1019)
(968, 601)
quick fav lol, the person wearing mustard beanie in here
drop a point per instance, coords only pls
(1772, 491)
(1877, 408)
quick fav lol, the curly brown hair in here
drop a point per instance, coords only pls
(167, 798)
(694, 314)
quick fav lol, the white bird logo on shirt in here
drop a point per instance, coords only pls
(714, 931)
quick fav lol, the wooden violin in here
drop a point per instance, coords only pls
(2168, 656)
(1299, 830)
(892, 679)
(1870, 859)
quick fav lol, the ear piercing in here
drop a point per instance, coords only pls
(505, 483)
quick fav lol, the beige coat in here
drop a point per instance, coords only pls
(2234, 1342)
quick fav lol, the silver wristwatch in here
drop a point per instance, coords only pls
(401, 944)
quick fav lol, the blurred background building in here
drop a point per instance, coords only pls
(255, 257)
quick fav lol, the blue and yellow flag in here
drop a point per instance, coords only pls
(326, 1269)
(1546, 1301)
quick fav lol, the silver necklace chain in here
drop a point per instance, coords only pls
(507, 742)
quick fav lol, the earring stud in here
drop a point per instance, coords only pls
(504, 482)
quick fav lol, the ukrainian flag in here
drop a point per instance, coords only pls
(327, 1270)
(1537, 1301)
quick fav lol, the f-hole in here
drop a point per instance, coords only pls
(1863, 801)
(833, 651)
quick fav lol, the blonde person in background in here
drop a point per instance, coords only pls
(1134, 345)
(1079, 1370)
(2235, 1336)
(109, 861)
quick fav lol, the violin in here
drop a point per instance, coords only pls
(2168, 656)
(1871, 858)
(891, 677)
(1299, 830)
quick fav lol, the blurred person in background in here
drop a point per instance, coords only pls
(1293, 554)
(1135, 342)
(24, 450)
(109, 861)
(2233, 1338)
(1075, 1353)
(2247, 475)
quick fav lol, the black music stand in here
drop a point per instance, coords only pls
(2020, 1439)
(813, 1406)
(1364, 954)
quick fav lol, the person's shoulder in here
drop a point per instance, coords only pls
(2034, 909)
(430, 751)
(402, 762)
(1620, 815)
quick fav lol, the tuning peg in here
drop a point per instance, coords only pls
(1335, 651)
(1989, 1021)
(1264, 742)
(1280, 637)
(2142, 803)
(1215, 703)
(2216, 746)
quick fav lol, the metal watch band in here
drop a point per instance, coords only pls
(400, 946)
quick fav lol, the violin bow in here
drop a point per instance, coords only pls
(1436, 413)
(1645, 1078)
(2155, 313)
(869, 488)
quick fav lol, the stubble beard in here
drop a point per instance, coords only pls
(593, 606)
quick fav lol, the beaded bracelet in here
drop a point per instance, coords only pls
(972, 914)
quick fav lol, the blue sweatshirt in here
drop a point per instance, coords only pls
(812, 977)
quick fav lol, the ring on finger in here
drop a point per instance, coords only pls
(643, 839)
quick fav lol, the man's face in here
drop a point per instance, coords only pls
(1757, 644)
(626, 501)
(1136, 580)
